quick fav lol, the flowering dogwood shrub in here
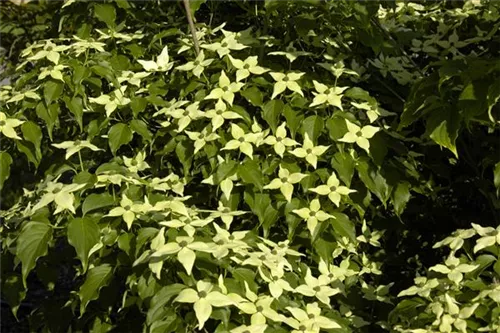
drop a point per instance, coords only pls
(237, 188)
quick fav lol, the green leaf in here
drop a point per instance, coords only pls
(33, 243)
(293, 119)
(13, 291)
(250, 173)
(194, 5)
(75, 106)
(272, 111)
(343, 226)
(119, 135)
(52, 90)
(96, 201)
(105, 13)
(400, 197)
(373, 180)
(140, 127)
(33, 134)
(443, 128)
(184, 151)
(157, 306)
(253, 95)
(496, 175)
(5, 162)
(49, 115)
(138, 104)
(343, 163)
(225, 170)
(83, 234)
(313, 126)
(29, 150)
(336, 127)
(97, 277)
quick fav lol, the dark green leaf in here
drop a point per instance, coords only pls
(272, 111)
(13, 291)
(83, 234)
(313, 126)
(52, 90)
(5, 162)
(105, 13)
(225, 170)
(401, 196)
(343, 163)
(158, 302)
(97, 277)
(33, 134)
(118, 135)
(140, 127)
(250, 173)
(96, 201)
(343, 226)
(253, 95)
(49, 115)
(33, 243)
(75, 106)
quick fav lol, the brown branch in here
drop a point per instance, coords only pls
(191, 26)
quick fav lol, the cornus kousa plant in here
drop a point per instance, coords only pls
(250, 167)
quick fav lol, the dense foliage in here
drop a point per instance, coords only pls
(313, 166)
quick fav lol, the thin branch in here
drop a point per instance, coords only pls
(191, 26)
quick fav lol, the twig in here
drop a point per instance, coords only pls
(191, 26)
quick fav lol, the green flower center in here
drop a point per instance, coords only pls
(330, 276)
(246, 331)
(183, 244)
(219, 112)
(274, 252)
(126, 207)
(2, 122)
(282, 246)
(202, 294)
(275, 278)
(201, 136)
(247, 66)
(312, 214)
(309, 151)
(260, 308)
(196, 63)
(242, 139)
(231, 237)
(310, 315)
(49, 48)
(284, 180)
(327, 91)
(262, 257)
(223, 44)
(333, 188)
(112, 98)
(286, 79)
(317, 289)
(130, 75)
(56, 190)
(77, 143)
(220, 242)
(134, 162)
(278, 139)
(302, 327)
(225, 89)
(185, 113)
(359, 133)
